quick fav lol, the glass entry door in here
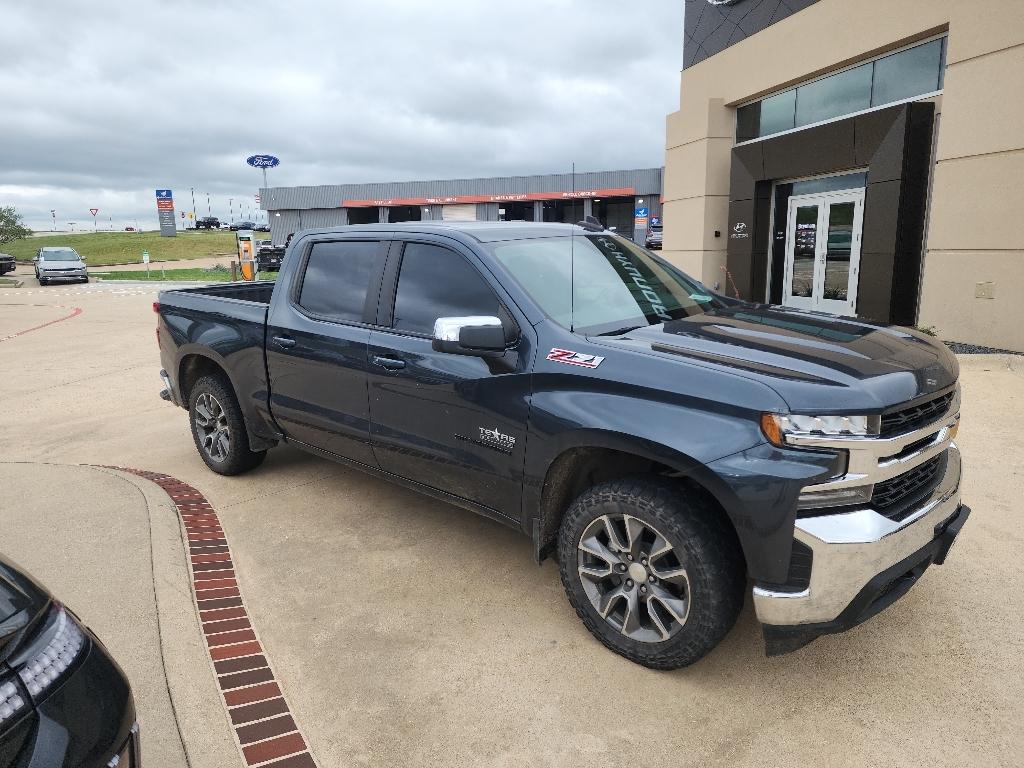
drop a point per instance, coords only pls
(823, 233)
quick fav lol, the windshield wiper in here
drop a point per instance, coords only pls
(620, 331)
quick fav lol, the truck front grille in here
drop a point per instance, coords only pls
(895, 498)
(908, 419)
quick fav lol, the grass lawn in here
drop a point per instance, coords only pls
(206, 275)
(108, 248)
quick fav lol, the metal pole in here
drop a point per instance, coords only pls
(208, 211)
(53, 213)
(264, 177)
(193, 190)
(231, 202)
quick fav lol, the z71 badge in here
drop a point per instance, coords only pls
(569, 357)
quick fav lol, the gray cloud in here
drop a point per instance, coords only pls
(103, 102)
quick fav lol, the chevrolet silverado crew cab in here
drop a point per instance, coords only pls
(668, 445)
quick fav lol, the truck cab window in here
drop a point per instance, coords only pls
(337, 278)
(437, 282)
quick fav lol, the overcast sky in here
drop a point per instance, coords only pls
(103, 102)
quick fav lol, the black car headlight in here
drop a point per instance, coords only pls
(51, 653)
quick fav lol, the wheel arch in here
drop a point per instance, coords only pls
(192, 366)
(597, 456)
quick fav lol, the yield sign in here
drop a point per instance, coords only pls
(94, 211)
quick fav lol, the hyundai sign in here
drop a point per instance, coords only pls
(263, 161)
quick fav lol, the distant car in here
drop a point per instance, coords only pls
(262, 227)
(653, 241)
(237, 225)
(208, 222)
(63, 700)
(129, 229)
(59, 263)
(6, 263)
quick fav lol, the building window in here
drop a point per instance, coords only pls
(897, 77)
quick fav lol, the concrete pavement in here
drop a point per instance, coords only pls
(407, 632)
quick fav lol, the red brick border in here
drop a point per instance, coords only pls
(267, 733)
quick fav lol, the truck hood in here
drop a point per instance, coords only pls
(815, 362)
(21, 600)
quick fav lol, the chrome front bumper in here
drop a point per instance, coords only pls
(852, 546)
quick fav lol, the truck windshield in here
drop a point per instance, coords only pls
(600, 284)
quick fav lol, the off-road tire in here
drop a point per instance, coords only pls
(706, 546)
(239, 458)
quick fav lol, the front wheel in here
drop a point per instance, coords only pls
(653, 571)
(219, 429)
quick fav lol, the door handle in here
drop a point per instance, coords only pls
(391, 363)
(284, 342)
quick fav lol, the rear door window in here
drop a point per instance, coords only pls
(437, 282)
(337, 279)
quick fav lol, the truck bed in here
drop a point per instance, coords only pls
(258, 293)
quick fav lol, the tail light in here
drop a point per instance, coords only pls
(156, 310)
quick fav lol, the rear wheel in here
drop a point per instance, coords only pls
(219, 429)
(655, 574)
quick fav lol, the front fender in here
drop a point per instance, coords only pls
(718, 445)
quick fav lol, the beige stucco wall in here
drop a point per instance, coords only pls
(975, 233)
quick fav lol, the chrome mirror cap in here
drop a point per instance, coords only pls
(448, 328)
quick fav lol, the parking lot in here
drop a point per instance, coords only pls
(403, 631)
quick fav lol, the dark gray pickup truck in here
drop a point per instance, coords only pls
(669, 445)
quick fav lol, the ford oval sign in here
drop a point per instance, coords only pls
(263, 161)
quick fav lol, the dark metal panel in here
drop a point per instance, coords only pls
(879, 143)
(711, 27)
(825, 149)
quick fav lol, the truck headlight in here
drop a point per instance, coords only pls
(778, 427)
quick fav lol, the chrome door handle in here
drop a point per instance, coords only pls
(391, 363)
(284, 342)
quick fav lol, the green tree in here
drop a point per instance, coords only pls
(11, 227)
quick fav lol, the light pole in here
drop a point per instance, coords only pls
(193, 191)
(208, 211)
(53, 213)
(231, 202)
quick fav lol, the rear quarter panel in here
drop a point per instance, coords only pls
(229, 332)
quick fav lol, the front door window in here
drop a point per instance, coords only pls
(823, 251)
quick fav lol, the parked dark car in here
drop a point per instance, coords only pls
(269, 256)
(262, 228)
(7, 263)
(653, 239)
(237, 225)
(208, 222)
(58, 263)
(667, 442)
(64, 702)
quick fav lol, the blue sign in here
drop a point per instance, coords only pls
(163, 194)
(263, 161)
(655, 221)
(641, 212)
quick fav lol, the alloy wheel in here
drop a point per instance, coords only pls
(633, 577)
(212, 427)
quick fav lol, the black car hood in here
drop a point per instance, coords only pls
(815, 362)
(21, 600)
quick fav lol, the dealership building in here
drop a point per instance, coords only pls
(858, 158)
(627, 201)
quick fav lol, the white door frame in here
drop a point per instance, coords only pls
(817, 301)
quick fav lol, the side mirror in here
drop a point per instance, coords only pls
(479, 336)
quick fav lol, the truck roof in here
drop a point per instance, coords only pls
(482, 231)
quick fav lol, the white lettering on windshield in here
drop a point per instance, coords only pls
(657, 306)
